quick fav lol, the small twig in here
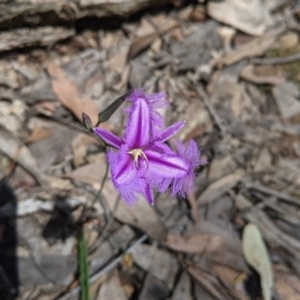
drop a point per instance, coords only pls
(97, 196)
(105, 232)
(27, 247)
(209, 106)
(279, 195)
(276, 60)
(192, 201)
(108, 268)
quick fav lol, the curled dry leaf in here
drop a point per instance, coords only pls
(256, 254)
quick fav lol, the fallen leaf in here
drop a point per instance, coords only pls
(255, 47)
(150, 29)
(14, 148)
(112, 289)
(48, 106)
(153, 289)
(286, 96)
(90, 173)
(141, 43)
(251, 17)
(248, 73)
(38, 133)
(80, 144)
(219, 187)
(226, 249)
(119, 61)
(67, 92)
(231, 278)
(208, 281)
(192, 201)
(158, 262)
(287, 286)
(182, 290)
(194, 243)
(256, 255)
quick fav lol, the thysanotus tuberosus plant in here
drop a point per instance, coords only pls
(141, 161)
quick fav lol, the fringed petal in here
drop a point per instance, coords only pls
(170, 131)
(108, 137)
(191, 154)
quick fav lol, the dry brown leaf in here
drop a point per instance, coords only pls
(158, 262)
(141, 43)
(219, 187)
(47, 105)
(287, 286)
(209, 282)
(149, 30)
(198, 14)
(194, 243)
(118, 62)
(112, 289)
(226, 249)
(80, 144)
(160, 22)
(38, 133)
(251, 17)
(255, 47)
(249, 73)
(182, 291)
(286, 96)
(230, 278)
(192, 201)
(91, 173)
(67, 92)
(142, 216)
(14, 148)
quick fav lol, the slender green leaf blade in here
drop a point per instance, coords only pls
(83, 266)
(104, 115)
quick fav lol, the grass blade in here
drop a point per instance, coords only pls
(83, 266)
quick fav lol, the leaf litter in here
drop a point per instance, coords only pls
(236, 87)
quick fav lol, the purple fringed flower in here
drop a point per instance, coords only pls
(141, 160)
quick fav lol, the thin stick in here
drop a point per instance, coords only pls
(209, 106)
(97, 196)
(192, 201)
(277, 60)
(107, 226)
(279, 195)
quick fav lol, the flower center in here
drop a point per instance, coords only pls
(136, 154)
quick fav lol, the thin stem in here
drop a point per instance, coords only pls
(97, 196)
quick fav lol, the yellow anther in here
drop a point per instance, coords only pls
(136, 154)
